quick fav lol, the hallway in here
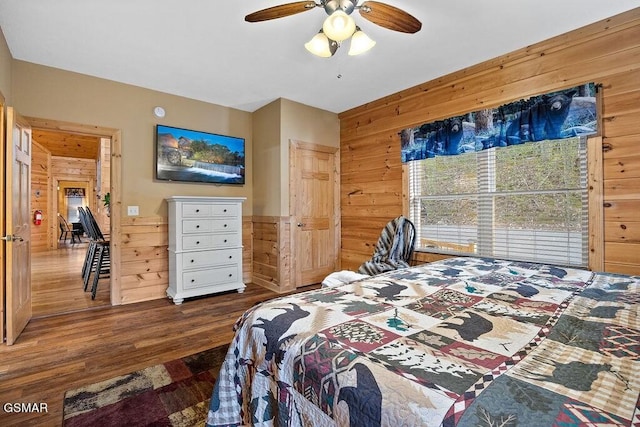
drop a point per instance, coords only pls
(56, 282)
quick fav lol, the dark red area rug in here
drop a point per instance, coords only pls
(175, 393)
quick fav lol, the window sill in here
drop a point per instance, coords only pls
(443, 251)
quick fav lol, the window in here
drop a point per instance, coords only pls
(523, 202)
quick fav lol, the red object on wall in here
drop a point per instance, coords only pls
(37, 217)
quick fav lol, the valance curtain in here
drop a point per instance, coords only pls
(556, 115)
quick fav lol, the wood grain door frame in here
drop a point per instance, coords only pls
(2, 221)
(294, 171)
(55, 207)
(116, 187)
(595, 184)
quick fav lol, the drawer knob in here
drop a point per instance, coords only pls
(230, 256)
(197, 210)
(198, 242)
(198, 226)
(193, 280)
(225, 225)
(224, 210)
(230, 275)
(193, 260)
(225, 240)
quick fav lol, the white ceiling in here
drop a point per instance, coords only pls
(203, 49)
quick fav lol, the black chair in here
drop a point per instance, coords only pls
(78, 229)
(98, 258)
(64, 228)
(67, 231)
(394, 248)
(88, 259)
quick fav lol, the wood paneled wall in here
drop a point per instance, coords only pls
(46, 168)
(607, 52)
(272, 253)
(72, 169)
(247, 249)
(103, 182)
(144, 266)
(44, 234)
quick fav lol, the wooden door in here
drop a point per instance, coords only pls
(314, 202)
(2, 224)
(17, 225)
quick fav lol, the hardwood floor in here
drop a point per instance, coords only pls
(56, 282)
(58, 353)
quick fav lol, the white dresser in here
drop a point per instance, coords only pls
(205, 246)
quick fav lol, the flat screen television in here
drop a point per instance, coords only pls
(194, 156)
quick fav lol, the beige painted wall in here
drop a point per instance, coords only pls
(275, 125)
(306, 124)
(50, 93)
(309, 124)
(56, 94)
(5, 69)
(266, 160)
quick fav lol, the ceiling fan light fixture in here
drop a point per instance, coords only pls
(339, 26)
(320, 45)
(360, 43)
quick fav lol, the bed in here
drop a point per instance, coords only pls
(464, 341)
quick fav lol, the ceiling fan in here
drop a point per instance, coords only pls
(339, 25)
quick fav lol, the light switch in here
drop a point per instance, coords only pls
(133, 211)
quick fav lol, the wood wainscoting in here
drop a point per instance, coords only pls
(272, 253)
(144, 268)
(144, 264)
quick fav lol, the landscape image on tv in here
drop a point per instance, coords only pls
(194, 156)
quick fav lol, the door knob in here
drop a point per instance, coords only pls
(10, 238)
(300, 224)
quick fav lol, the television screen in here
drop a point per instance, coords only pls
(194, 156)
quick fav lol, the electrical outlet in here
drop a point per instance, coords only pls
(133, 211)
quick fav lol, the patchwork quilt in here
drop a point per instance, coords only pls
(463, 341)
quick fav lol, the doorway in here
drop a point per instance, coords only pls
(8, 299)
(58, 286)
(70, 170)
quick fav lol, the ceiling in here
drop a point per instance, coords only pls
(204, 50)
(64, 144)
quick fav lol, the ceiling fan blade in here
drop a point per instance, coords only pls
(280, 11)
(389, 17)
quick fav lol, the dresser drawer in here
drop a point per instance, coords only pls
(226, 210)
(196, 210)
(193, 260)
(210, 225)
(211, 241)
(200, 210)
(211, 276)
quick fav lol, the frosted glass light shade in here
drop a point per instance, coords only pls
(319, 45)
(360, 43)
(339, 26)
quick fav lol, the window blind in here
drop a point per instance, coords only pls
(524, 202)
